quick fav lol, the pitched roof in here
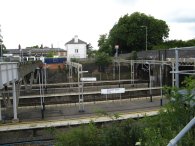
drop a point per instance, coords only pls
(73, 42)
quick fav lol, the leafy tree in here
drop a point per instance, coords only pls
(191, 42)
(130, 34)
(174, 43)
(89, 47)
(104, 44)
(90, 51)
(2, 47)
(102, 59)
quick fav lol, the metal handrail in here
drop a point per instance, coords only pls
(174, 141)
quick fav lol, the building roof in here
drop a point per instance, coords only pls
(35, 50)
(73, 42)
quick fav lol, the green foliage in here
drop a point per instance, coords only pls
(174, 43)
(113, 135)
(90, 52)
(129, 34)
(3, 48)
(74, 60)
(102, 59)
(50, 54)
(172, 119)
(150, 131)
(124, 133)
(51, 130)
(82, 136)
(104, 44)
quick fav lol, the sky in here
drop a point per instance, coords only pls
(47, 22)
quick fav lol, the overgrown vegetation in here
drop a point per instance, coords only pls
(149, 131)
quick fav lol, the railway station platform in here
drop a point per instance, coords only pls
(67, 115)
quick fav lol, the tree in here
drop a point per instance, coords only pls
(104, 44)
(130, 34)
(90, 51)
(191, 42)
(2, 48)
(102, 59)
(174, 43)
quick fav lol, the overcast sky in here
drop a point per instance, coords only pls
(36, 22)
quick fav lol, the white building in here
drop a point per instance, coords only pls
(76, 48)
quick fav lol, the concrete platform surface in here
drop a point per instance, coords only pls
(68, 114)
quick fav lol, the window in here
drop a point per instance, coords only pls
(76, 50)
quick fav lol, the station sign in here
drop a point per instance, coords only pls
(112, 90)
(88, 79)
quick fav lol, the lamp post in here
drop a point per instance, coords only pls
(117, 47)
(177, 67)
(146, 36)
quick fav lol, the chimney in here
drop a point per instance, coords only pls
(76, 39)
(19, 47)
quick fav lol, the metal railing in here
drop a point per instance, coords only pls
(175, 140)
